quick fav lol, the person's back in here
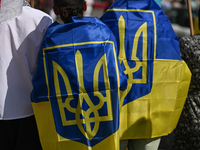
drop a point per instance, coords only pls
(158, 79)
(21, 33)
(78, 72)
(20, 41)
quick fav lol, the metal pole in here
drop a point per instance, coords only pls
(190, 17)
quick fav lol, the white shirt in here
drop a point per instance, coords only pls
(20, 40)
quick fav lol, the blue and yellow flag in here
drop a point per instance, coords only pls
(149, 54)
(76, 87)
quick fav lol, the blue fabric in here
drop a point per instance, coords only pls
(63, 44)
(159, 34)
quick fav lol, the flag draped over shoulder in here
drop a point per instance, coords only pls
(76, 87)
(149, 54)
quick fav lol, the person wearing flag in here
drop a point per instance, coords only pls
(157, 77)
(21, 32)
(76, 84)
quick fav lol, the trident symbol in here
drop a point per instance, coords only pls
(139, 63)
(89, 133)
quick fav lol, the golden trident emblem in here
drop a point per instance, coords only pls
(139, 63)
(87, 120)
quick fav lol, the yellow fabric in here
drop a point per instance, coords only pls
(45, 112)
(196, 26)
(50, 140)
(157, 113)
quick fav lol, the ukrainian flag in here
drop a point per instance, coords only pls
(76, 87)
(149, 54)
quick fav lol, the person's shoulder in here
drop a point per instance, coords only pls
(54, 27)
(100, 28)
(101, 24)
(32, 12)
(94, 20)
(35, 16)
(189, 41)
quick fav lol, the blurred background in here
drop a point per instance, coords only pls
(176, 11)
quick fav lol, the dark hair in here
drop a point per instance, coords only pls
(69, 8)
